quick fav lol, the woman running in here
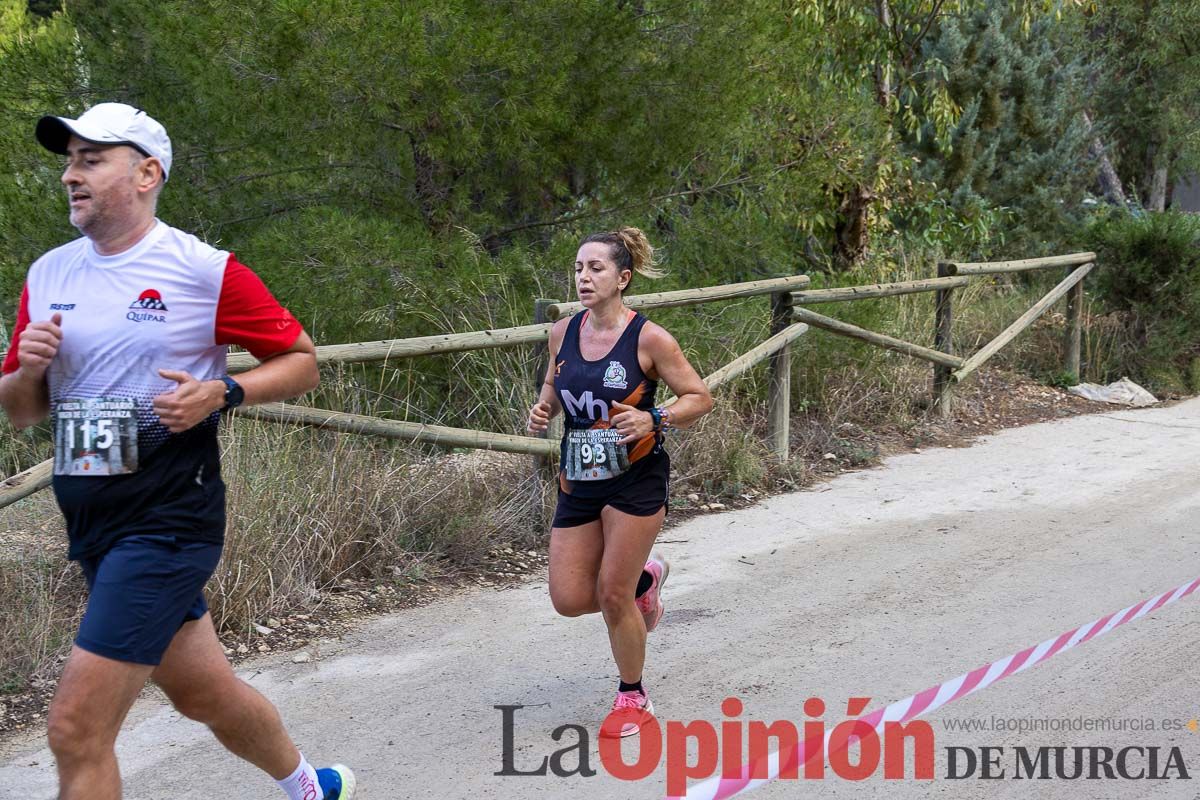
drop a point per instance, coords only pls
(604, 370)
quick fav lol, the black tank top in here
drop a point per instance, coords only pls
(591, 461)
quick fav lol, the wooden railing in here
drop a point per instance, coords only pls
(776, 348)
(952, 275)
(789, 321)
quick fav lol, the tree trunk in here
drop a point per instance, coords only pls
(1158, 190)
(883, 81)
(1110, 181)
(852, 229)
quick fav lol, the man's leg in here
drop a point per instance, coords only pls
(90, 703)
(200, 683)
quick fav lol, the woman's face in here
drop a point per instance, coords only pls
(597, 278)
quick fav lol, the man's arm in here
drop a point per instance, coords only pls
(23, 392)
(279, 377)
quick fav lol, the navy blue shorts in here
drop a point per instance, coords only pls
(141, 592)
(642, 494)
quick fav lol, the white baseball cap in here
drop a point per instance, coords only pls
(109, 123)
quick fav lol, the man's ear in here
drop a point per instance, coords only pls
(150, 174)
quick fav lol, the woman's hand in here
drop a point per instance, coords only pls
(631, 423)
(539, 417)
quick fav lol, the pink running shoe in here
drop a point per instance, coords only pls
(627, 702)
(651, 604)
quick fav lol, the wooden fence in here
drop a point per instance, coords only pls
(949, 368)
(788, 322)
(775, 348)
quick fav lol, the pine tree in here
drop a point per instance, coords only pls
(1019, 144)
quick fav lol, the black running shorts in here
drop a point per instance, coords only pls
(641, 495)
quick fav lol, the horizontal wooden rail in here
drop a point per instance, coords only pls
(396, 429)
(419, 346)
(996, 267)
(25, 483)
(1024, 321)
(843, 293)
(751, 357)
(878, 339)
(690, 297)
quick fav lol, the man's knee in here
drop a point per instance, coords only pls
(204, 703)
(74, 734)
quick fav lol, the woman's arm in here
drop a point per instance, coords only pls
(547, 406)
(669, 364)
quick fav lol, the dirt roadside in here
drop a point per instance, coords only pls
(994, 401)
(878, 583)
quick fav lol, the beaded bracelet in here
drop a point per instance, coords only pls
(664, 419)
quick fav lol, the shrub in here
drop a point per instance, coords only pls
(1150, 275)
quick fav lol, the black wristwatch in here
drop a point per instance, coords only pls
(235, 395)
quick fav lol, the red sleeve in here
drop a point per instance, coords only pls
(10, 358)
(249, 316)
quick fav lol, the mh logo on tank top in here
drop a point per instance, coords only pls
(614, 376)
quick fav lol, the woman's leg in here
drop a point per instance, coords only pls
(575, 557)
(627, 540)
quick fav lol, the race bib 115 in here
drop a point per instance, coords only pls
(95, 436)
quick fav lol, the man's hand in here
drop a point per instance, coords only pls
(38, 346)
(631, 423)
(191, 402)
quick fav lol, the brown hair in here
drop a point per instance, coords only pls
(630, 249)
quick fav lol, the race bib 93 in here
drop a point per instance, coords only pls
(594, 455)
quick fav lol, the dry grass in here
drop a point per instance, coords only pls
(309, 509)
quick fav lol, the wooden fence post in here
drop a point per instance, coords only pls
(779, 401)
(1074, 332)
(943, 340)
(544, 465)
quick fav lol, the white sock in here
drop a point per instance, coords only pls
(302, 784)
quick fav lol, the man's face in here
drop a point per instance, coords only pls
(101, 183)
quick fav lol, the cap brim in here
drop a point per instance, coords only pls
(54, 134)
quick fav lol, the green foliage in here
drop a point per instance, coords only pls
(1150, 273)
(37, 67)
(1145, 84)
(1018, 150)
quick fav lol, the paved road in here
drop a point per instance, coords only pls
(880, 583)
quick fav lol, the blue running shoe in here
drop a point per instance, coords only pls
(337, 782)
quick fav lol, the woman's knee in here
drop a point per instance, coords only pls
(573, 602)
(614, 599)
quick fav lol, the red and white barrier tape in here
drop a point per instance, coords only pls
(719, 788)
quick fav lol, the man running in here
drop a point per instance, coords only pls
(120, 339)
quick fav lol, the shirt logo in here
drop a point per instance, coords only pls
(150, 308)
(614, 376)
(62, 306)
(150, 300)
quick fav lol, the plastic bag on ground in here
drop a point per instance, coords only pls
(1123, 392)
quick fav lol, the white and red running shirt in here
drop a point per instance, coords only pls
(169, 302)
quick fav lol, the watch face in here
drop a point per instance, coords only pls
(234, 393)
